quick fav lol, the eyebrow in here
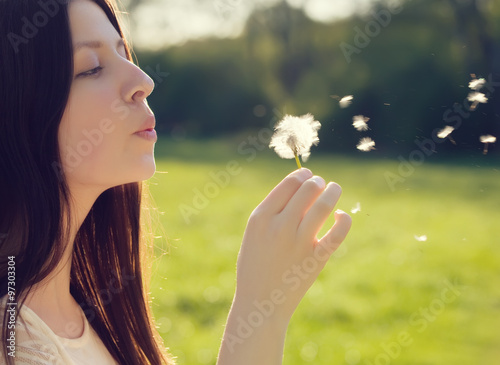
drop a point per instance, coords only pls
(94, 45)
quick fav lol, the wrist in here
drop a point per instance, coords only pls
(269, 312)
(252, 336)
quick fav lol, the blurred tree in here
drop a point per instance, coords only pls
(481, 53)
(278, 26)
(471, 29)
(407, 78)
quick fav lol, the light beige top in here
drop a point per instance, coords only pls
(41, 346)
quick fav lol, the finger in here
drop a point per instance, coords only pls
(302, 200)
(319, 212)
(281, 194)
(336, 235)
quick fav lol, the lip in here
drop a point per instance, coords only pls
(147, 130)
(148, 134)
(148, 124)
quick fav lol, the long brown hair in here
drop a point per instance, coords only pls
(107, 279)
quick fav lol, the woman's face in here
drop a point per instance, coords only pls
(98, 139)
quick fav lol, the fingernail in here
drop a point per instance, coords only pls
(306, 172)
(319, 181)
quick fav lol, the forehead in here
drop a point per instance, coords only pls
(88, 22)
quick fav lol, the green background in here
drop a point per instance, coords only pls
(376, 285)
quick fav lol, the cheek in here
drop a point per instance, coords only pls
(89, 149)
(90, 138)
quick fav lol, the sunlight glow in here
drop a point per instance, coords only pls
(160, 23)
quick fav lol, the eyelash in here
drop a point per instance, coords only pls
(92, 72)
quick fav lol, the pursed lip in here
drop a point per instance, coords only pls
(148, 124)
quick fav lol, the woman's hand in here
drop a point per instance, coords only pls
(281, 256)
(279, 260)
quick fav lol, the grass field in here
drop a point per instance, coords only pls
(385, 297)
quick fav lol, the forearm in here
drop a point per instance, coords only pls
(252, 337)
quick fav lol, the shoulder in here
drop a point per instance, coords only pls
(37, 353)
(32, 348)
(28, 343)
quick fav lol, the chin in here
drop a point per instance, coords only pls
(141, 170)
(147, 169)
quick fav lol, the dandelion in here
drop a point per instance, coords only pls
(421, 238)
(477, 84)
(357, 208)
(366, 144)
(487, 139)
(294, 136)
(359, 122)
(346, 101)
(475, 98)
(446, 133)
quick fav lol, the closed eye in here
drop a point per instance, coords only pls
(92, 72)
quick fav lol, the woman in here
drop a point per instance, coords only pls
(76, 141)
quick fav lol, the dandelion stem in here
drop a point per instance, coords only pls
(298, 161)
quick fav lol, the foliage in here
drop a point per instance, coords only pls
(406, 78)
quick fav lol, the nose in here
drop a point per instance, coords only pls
(140, 86)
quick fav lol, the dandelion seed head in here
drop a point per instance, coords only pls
(360, 123)
(445, 132)
(421, 238)
(346, 101)
(366, 144)
(477, 84)
(292, 143)
(477, 97)
(488, 139)
(295, 135)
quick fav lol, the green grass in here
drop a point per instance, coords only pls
(379, 284)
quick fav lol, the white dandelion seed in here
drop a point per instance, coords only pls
(346, 101)
(366, 144)
(477, 84)
(446, 133)
(421, 238)
(357, 208)
(475, 98)
(360, 123)
(487, 139)
(294, 137)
